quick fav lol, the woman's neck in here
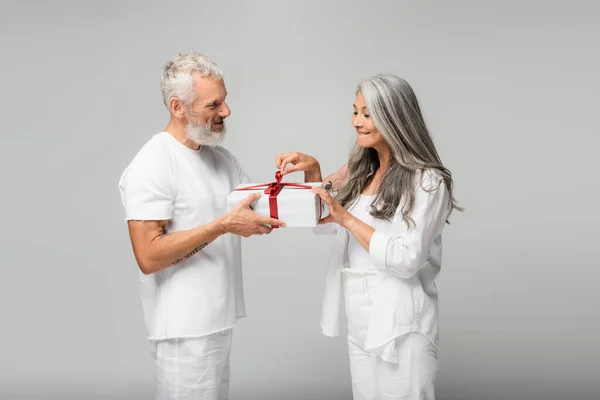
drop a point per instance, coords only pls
(373, 185)
(384, 155)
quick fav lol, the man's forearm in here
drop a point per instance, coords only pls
(172, 248)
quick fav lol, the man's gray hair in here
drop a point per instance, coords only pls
(177, 76)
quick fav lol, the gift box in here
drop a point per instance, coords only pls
(292, 203)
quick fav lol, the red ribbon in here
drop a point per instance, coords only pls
(273, 189)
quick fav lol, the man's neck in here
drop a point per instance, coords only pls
(176, 129)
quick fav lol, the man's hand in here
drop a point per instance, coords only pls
(300, 162)
(241, 220)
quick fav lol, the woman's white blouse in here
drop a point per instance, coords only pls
(407, 261)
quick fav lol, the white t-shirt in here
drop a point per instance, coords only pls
(167, 180)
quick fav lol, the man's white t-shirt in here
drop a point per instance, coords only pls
(167, 180)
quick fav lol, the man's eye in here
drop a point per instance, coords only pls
(355, 113)
(367, 115)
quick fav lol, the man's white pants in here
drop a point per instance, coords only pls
(193, 368)
(412, 378)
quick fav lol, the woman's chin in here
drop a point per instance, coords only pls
(364, 142)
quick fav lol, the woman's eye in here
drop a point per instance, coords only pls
(367, 115)
(355, 113)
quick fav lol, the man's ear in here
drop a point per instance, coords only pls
(176, 107)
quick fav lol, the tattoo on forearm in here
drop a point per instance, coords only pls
(197, 249)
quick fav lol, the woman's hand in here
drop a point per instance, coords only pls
(300, 162)
(337, 213)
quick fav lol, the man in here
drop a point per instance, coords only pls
(186, 245)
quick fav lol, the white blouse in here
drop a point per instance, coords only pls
(407, 261)
(358, 257)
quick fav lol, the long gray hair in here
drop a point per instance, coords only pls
(396, 114)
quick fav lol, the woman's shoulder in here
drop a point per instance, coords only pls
(429, 179)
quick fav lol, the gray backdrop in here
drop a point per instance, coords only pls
(509, 90)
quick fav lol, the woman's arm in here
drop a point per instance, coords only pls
(405, 253)
(401, 254)
(300, 162)
(338, 178)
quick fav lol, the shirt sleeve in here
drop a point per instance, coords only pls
(146, 190)
(405, 253)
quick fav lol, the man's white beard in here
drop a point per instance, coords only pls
(203, 135)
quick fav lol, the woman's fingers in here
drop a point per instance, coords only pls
(293, 168)
(328, 219)
(291, 158)
(285, 162)
(282, 159)
(279, 159)
(324, 194)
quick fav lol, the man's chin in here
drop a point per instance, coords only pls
(206, 135)
(209, 141)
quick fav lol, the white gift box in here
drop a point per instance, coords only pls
(296, 206)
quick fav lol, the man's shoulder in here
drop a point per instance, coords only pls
(155, 149)
(153, 157)
(226, 155)
(224, 152)
(229, 161)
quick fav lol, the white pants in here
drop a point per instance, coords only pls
(412, 378)
(193, 368)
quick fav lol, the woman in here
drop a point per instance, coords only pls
(392, 208)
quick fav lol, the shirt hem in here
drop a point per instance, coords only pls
(155, 338)
(373, 348)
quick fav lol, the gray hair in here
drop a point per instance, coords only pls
(177, 76)
(396, 114)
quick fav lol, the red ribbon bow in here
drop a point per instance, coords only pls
(273, 189)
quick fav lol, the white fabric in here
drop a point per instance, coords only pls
(358, 257)
(412, 378)
(193, 368)
(167, 180)
(411, 373)
(358, 286)
(407, 261)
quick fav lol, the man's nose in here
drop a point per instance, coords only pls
(225, 111)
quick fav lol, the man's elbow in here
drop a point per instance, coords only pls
(147, 265)
(146, 270)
